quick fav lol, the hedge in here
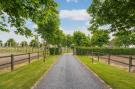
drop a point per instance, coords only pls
(113, 51)
(55, 51)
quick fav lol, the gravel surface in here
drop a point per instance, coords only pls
(69, 73)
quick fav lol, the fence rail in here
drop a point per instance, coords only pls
(12, 60)
(109, 58)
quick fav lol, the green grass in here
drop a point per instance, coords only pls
(26, 76)
(117, 78)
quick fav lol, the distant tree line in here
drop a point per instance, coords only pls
(12, 43)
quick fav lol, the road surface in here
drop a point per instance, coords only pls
(69, 73)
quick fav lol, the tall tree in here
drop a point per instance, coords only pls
(10, 43)
(34, 43)
(17, 12)
(24, 44)
(119, 14)
(1, 43)
(68, 41)
(80, 39)
(99, 38)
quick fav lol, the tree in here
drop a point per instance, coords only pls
(123, 39)
(24, 44)
(80, 39)
(99, 38)
(17, 12)
(68, 41)
(34, 43)
(49, 29)
(1, 44)
(119, 14)
(58, 38)
(10, 43)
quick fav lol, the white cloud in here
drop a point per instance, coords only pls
(71, 31)
(72, 1)
(78, 15)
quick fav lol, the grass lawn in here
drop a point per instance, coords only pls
(25, 76)
(117, 78)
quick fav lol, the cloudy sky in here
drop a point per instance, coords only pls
(73, 16)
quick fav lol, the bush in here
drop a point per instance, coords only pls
(55, 51)
(113, 51)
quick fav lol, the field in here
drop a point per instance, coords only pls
(16, 50)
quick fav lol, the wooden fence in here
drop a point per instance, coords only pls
(28, 57)
(109, 59)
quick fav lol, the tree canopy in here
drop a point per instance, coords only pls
(80, 39)
(24, 44)
(99, 38)
(10, 43)
(119, 14)
(17, 12)
(34, 43)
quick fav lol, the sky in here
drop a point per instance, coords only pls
(73, 17)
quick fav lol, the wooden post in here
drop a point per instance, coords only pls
(130, 63)
(98, 56)
(29, 59)
(92, 58)
(38, 54)
(109, 58)
(12, 62)
(43, 55)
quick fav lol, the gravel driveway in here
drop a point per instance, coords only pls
(69, 73)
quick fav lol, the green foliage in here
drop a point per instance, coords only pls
(24, 44)
(17, 12)
(68, 41)
(10, 43)
(80, 39)
(113, 51)
(99, 38)
(55, 51)
(58, 38)
(34, 43)
(123, 40)
(1, 44)
(119, 14)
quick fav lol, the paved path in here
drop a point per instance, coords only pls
(68, 73)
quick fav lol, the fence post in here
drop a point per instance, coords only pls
(92, 58)
(43, 55)
(130, 63)
(109, 58)
(38, 54)
(98, 56)
(29, 59)
(12, 62)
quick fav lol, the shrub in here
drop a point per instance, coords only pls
(113, 51)
(55, 51)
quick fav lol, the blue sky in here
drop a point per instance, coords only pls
(73, 16)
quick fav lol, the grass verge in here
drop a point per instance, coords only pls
(25, 77)
(115, 77)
